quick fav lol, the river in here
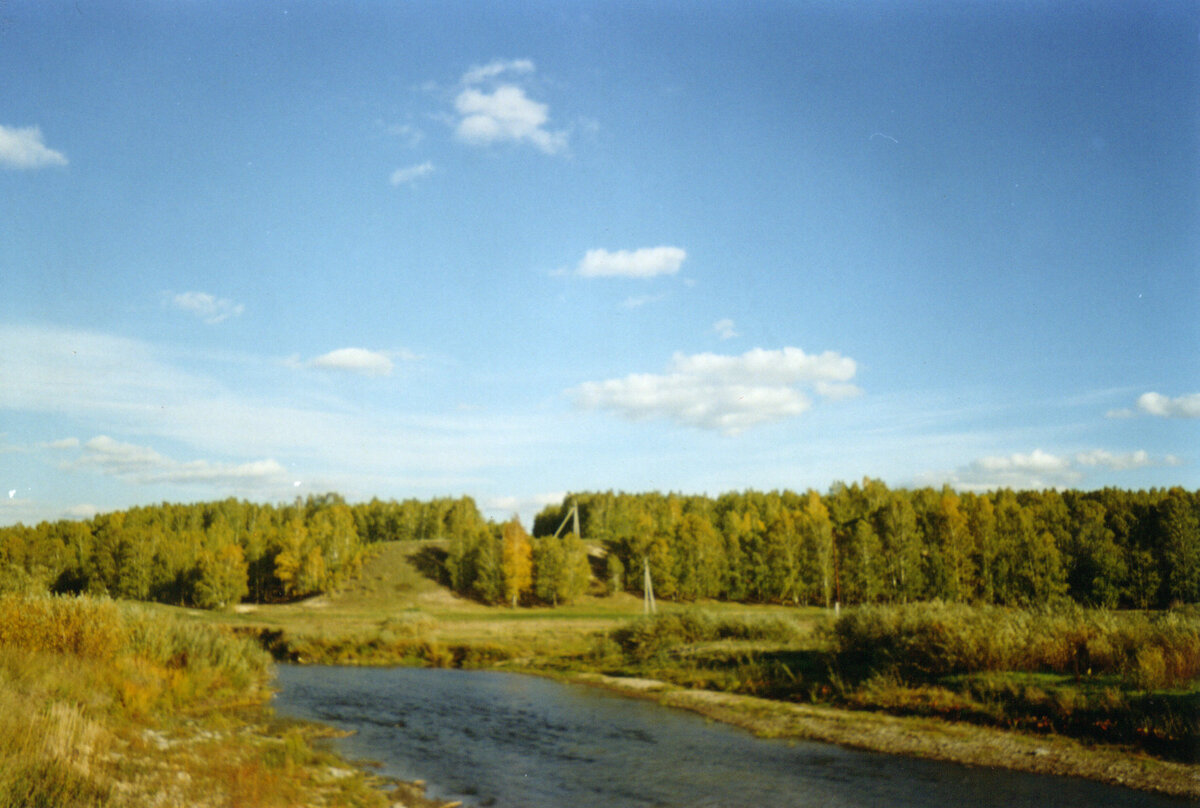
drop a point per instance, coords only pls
(513, 741)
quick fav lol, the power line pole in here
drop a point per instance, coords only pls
(648, 589)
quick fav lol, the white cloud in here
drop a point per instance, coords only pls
(114, 385)
(81, 511)
(1040, 469)
(646, 262)
(1119, 461)
(210, 309)
(23, 148)
(144, 465)
(481, 73)
(725, 393)
(1182, 407)
(502, 111)
(354, 360)
(1036, 461)
(64, 443)
(725, 328)
(503, 507)
(412, 173)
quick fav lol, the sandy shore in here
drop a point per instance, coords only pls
(921, 737)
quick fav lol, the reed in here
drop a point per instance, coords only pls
(930, 640)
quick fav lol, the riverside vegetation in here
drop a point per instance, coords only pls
(1056, 617)
(104, 703)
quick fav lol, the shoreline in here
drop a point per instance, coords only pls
(916, 737)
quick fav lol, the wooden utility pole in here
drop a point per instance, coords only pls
(648, 589)
(573, 512)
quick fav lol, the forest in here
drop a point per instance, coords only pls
(857, 543)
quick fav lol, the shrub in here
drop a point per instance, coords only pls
(931, 640)
(646, 637)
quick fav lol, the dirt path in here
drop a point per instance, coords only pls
(921, 737)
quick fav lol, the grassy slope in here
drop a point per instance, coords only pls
(394, 614)
(106, 704)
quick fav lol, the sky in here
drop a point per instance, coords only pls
(270, 249)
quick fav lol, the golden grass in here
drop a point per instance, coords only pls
(106, 704)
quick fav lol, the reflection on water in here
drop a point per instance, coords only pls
(511, 741)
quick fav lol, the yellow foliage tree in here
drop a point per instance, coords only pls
(516, 561)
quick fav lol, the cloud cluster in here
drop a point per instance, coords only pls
(1041, 469)
(1181, 407)
(500, 111)
(22, 148)
(725, 393)
(354, 360)
(402, 176)
(1161, 406)
(646, 262)
(144, 465)
(208, 308)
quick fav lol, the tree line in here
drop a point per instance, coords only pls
(209, 554)
(857, 543)
(867, 543)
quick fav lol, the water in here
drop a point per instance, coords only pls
(512, 741)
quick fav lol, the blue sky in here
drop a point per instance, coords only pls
(434, 248)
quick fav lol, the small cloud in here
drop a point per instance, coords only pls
(646, 262)
(210, 309)
(64, 443)
(505, 114)
(83, 511)
(526, 507)
(410, 174)
(22, 148)
(1187, 406)
(1121, 413)
(495, 68)
(725, 393)
(1116, 462)
(725, 329)
(502, 111)
(354, 360)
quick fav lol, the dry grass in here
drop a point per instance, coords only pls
(105, 704)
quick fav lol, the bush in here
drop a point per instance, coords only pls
(931, 640)
(83, 627)
(646, 637)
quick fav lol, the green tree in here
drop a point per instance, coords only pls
(1096, 566)
(896, 523)
(549, 568)
(221, 578)
(816, 551)
(1178, 527)
(699, 558)
(863, 568)
(577, 572)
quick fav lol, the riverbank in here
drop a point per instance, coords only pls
(931, 739)
(106, 704)
(772, 661)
